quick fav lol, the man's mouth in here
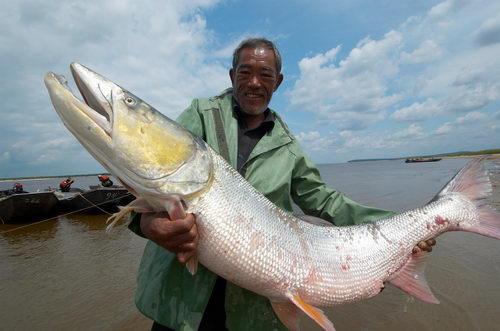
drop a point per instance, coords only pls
(251, 95)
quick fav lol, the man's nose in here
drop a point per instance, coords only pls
(254, 80)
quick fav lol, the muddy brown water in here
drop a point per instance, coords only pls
(68, 274)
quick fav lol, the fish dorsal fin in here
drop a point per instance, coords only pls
(314, 220)
(411, 279)
(288, 314)
(315, 313)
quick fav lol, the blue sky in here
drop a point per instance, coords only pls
(363, 79)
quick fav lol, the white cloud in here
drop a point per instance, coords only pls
(414, 131)
(418, 111)
(471, 118)
(156, 49)
(445, 8)
(444, 129)
(427, 51)
(353, 93)
(429, 66)
(314, 141)
(489, 32)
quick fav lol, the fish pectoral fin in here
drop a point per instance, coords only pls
(192, 265)
(175, 208)
(138, 205)
(411, 279)
(315, 313)
(288, 313)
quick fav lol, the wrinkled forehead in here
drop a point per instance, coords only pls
(260, 54)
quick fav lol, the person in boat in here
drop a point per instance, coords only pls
(65, 185)
(259, 146)
(105, 180)
(18, 188)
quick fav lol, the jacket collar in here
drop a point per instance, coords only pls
(275, 138)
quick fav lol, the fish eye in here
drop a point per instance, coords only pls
(130, 101)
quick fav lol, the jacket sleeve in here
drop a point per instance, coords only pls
(312, 195)
(191, 120)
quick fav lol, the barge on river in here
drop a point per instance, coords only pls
(421, 159)
(96, 200)
(31, 207)
(28, 207)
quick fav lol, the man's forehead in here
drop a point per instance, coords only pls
(258, 53)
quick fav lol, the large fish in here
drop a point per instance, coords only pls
(299, 264)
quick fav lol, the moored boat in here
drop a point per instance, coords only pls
(28, 207)
(97, 199)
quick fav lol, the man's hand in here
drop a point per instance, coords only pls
(424, 246)
(177, 236)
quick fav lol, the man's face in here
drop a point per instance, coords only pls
(255, 79)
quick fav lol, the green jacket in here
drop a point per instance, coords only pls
(278, 168)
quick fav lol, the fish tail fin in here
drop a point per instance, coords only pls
(471, 181)
(488, 223)
(474, 183)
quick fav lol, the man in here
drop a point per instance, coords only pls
(18, 188)
(105, 181)
(254, 140)
(65, 185)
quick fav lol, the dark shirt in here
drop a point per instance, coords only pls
(248, 139)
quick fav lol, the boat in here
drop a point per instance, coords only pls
(421, 159)
(28, 207)
(97, 199)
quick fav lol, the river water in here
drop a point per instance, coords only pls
(68, 274)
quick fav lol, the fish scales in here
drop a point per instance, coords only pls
(287, 254)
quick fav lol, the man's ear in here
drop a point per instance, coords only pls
(278, 81)
(231, 75)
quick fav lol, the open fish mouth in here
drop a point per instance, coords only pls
(96, 91)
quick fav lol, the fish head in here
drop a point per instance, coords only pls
(150, 153)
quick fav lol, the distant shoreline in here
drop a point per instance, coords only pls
(492, 153)
(495, 153)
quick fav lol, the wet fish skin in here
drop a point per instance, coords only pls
(243, 236)
(324, 265)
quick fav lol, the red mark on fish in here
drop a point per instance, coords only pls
(440, 220)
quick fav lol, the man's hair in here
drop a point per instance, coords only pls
(255, 43)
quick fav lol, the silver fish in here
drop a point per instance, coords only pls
(299, 264)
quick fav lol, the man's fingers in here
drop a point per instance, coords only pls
(416, 250)
(424, 246)
(186, 237)
(180, 226)
(431, 242)
(178, 236)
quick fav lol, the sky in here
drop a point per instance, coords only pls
(363, 79)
